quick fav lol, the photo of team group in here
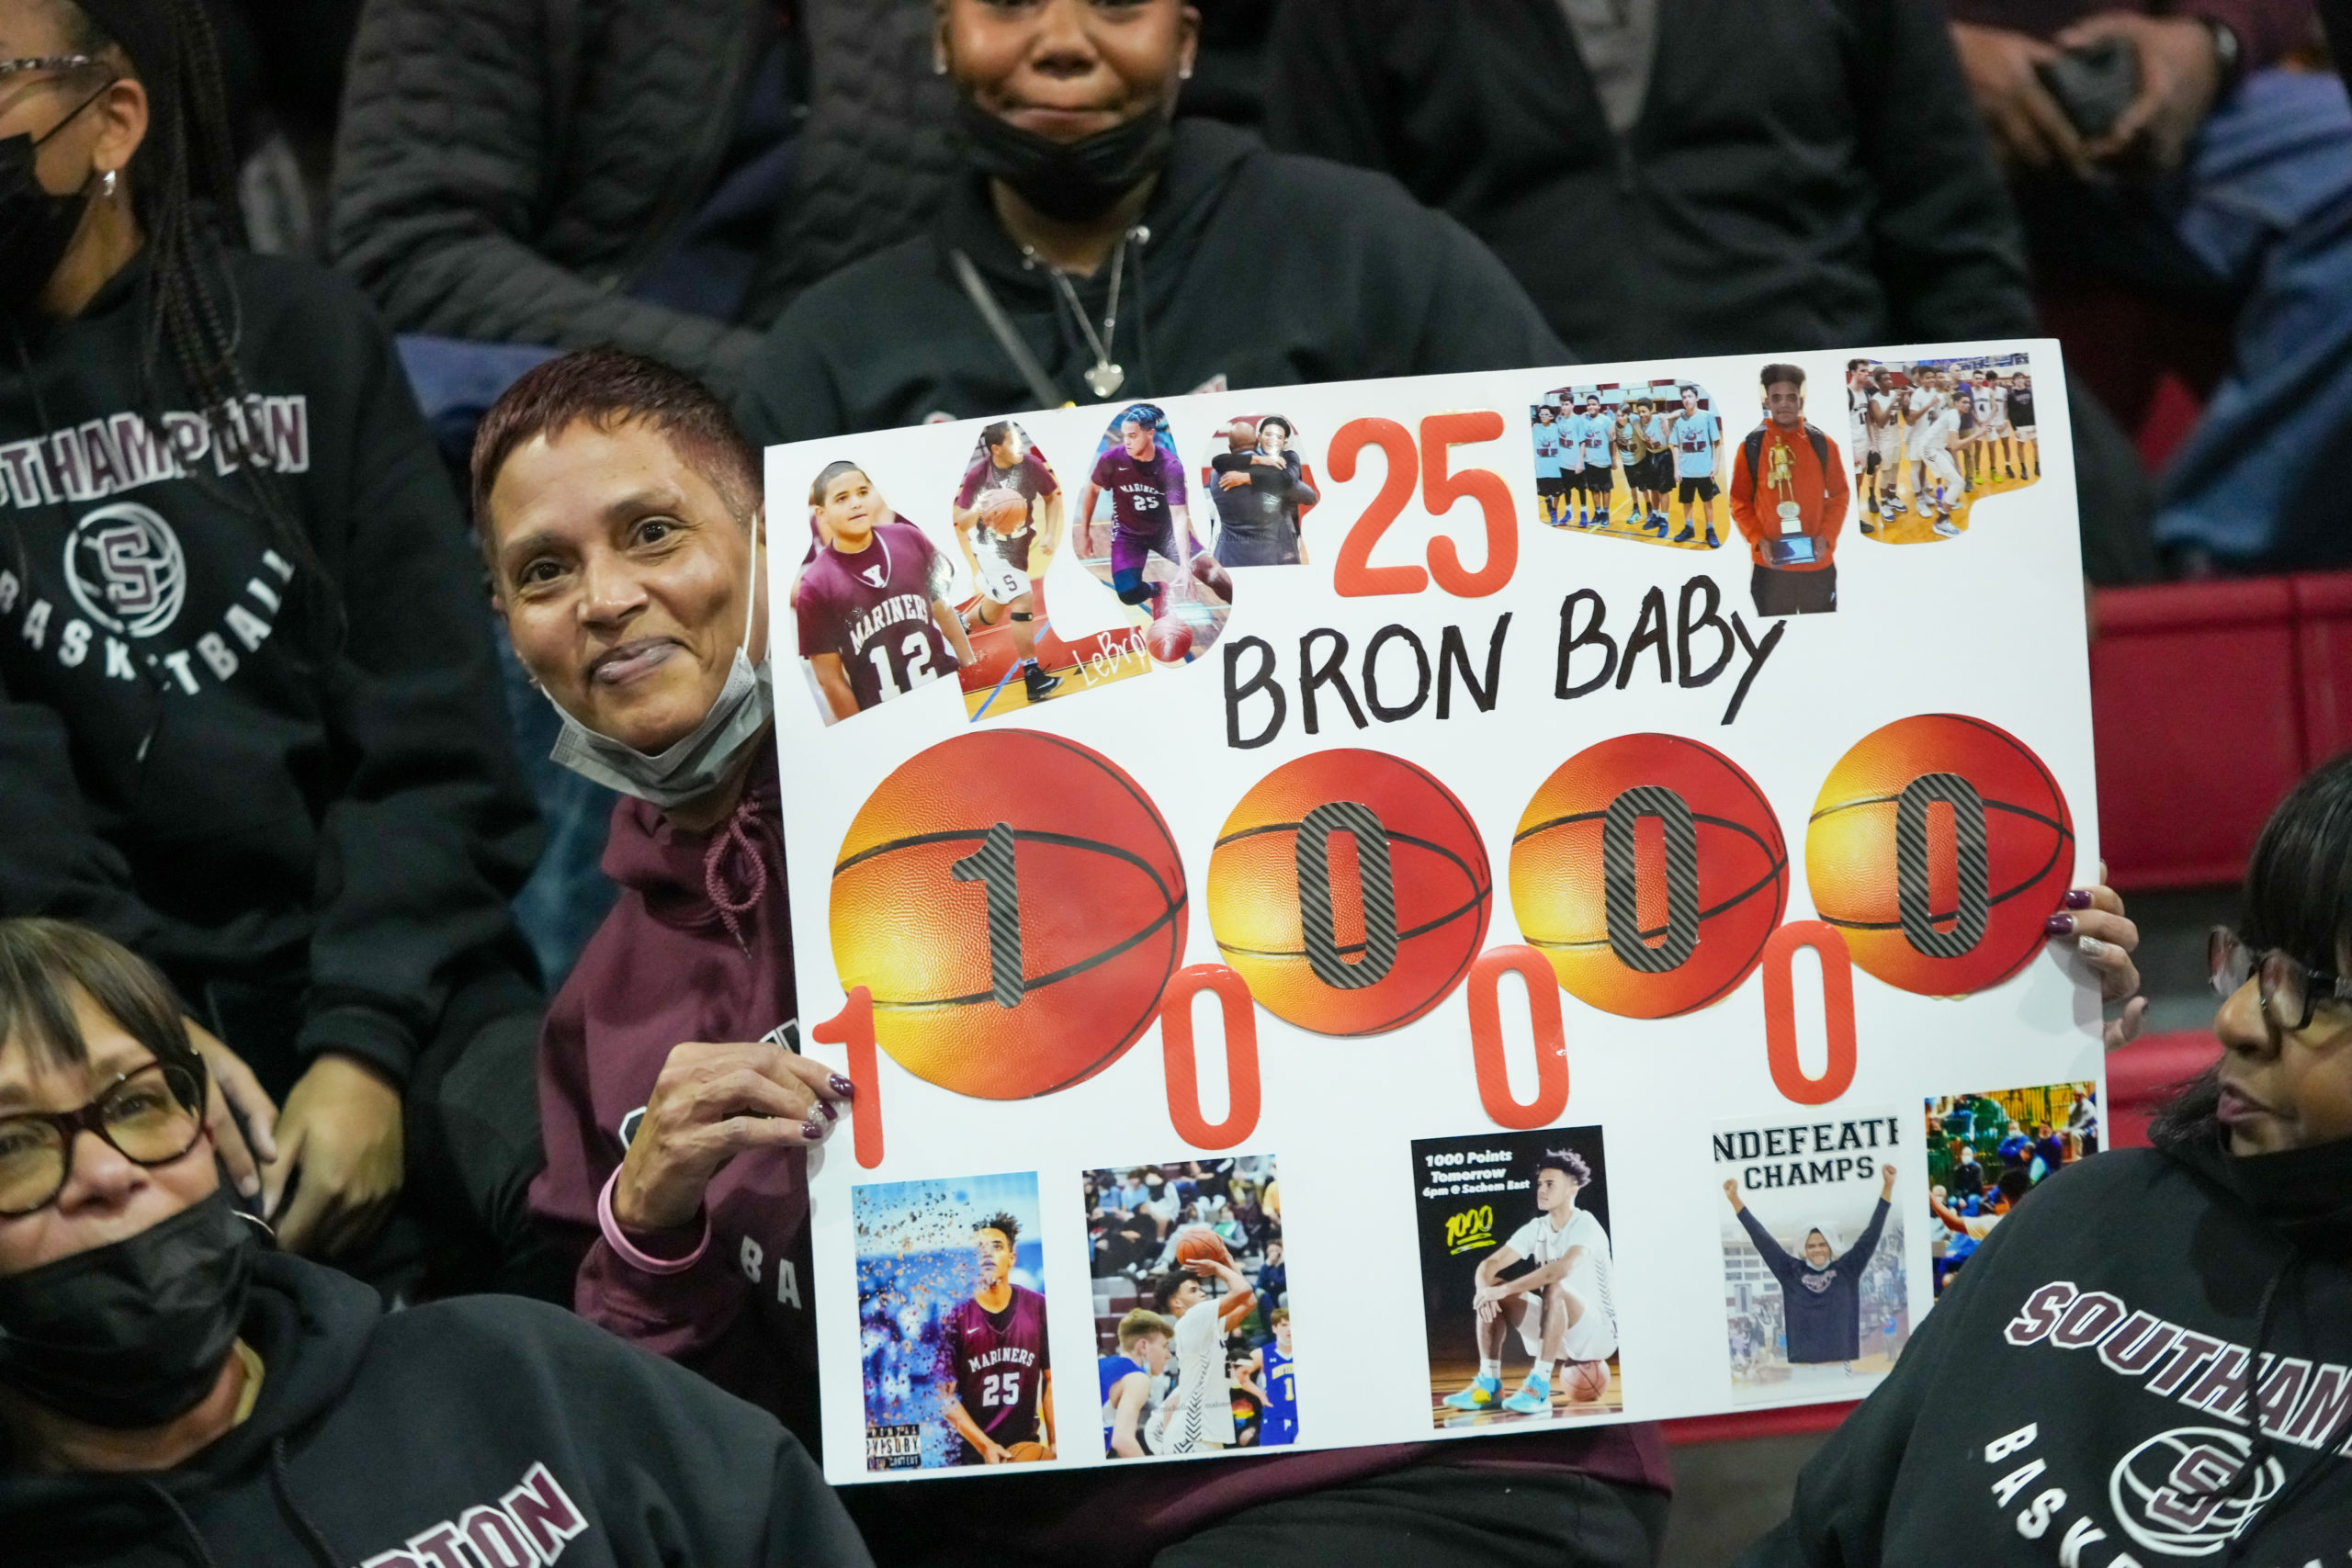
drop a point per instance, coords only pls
(1987, 1152)
(952, 1323)
(1930, 438)
(1191, 1313)
(1815, 1288)
(1641, 461)
(1518, 1277)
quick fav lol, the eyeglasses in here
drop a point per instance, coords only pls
(151, 1116)
(46, 63)
(2290, 989)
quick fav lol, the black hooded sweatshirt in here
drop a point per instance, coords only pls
(2149, 1361)
(189, 764)
(1822, 1307)
(1261, 270)
(390, 1440)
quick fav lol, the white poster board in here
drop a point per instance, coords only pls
(1345, 809)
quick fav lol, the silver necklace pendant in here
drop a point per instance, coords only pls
(1105, 379)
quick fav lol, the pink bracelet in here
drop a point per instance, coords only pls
(618, 1241)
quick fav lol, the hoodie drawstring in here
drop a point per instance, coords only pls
(734, 843)
(195, 1537)
(313, 1536)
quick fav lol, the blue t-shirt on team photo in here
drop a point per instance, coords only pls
(1548, 439)
(1596, 428)
(1693, 437)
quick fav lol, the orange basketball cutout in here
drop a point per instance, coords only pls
(1015, 905)
(1938, 846)
(1650, 871)
(1350, 888)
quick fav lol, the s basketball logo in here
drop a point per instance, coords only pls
(2185, 1493)
(125, 569)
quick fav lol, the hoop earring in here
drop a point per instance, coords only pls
(107, 184)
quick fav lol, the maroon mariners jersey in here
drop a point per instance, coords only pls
(1029, 477)
(1141, 491)
(997, 1363)
(873, 609)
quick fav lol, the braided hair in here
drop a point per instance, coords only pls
(183, 191)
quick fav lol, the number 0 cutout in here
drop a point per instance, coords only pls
(1486, 1037)
(1971, 865)
(854, 1027)
(1182, 1064)
(1377, 884)
(1837, 1011)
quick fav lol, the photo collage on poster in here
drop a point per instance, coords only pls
(1932, 437)
(1639, 462)
(1519, 1282)
(1814, 1287)
(1143, 544)
(1987, 1151)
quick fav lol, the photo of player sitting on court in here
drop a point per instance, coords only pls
(1986, 1152)
(1190, 1307)
(1928, 439)
(1518, 1277)
(952, 1320)
(1641, 460)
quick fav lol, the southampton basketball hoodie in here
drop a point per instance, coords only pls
(484, 1430)
(2149, 1361)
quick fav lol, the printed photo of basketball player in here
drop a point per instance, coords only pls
(1933, 437)
(1614, 459)
(1007, 517)
(1988, 1151)
(1191, 1320)
(1814, 1283)
(870, 601)
(1789, 495)
(1518, 1277)
(952, 1314)
(1155, 560)
(1262, 490)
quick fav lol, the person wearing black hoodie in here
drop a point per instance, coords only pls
(250, 722)
(1821, 1293)
(169, 1390)
(1095, 250)
(2151, 1358)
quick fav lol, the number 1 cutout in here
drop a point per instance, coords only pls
(1486, 1037)
(1183, 1066)
(1837, 1011)
(991, 865)
(854, 1027)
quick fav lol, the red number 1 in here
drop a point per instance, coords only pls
(854, 1027)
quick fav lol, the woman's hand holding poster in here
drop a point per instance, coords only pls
(1368, 912)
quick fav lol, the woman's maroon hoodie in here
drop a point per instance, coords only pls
(697, 948)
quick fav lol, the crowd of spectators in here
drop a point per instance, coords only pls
(311, 865)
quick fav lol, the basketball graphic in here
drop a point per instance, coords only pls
(1351, 890)
(1169, 639)
(1585, 1381)
(1014, 905)
(1650, 869)
(1198, 1244)
(1938, 846)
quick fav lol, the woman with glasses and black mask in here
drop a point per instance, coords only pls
(170, 1388)
(2152, 1358)
(1097, 249)
(250, 722)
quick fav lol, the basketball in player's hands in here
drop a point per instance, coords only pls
(1003, 510)
(1026, 1454)
(1586, 1380)
(1198, 1244)
(1169, 640)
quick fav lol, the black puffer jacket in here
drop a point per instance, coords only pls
(507, 169)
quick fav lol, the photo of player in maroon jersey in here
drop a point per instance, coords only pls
(1007, 517)
(870, 605)
(993, 1355)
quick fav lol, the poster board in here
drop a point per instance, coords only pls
(1535, 880)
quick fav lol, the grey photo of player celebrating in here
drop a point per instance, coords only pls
(1009, 506)
(1821, 1291)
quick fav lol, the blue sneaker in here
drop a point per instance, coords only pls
(1482, 1395)
(1534, 1398)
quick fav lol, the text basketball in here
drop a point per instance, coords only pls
(1650, 871)
(1938, 846)
(1351, 890)
(1015, 905)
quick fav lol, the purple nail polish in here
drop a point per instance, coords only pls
(842, 1087)
(2059, 925)
(813, 1133)
(2078, 898)
(832, 1116)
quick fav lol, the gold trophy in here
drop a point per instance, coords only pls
(1781, 479)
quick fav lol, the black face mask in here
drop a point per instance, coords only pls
(1066, 180)
(133, 1333)
(35, 225)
